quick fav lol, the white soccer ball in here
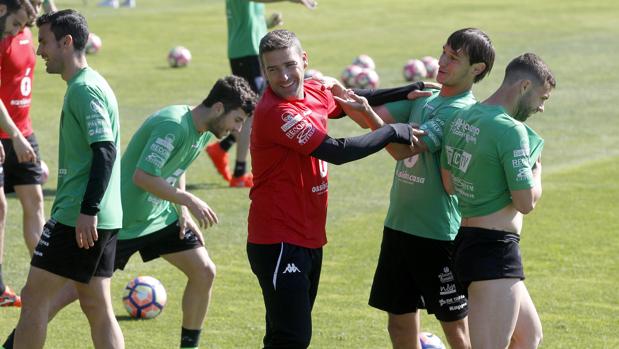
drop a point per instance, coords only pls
(367, 78)
(364, 61)
(349, 75)
(144, 297)
(414, 70)
(431, 64)
(430, 341)
(179, 56)
(93, 44)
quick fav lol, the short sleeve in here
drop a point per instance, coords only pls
(435, 129)
(513, 150)
(400, 110)
(92, 114)
(159, 147)
(289, 128)
(536, 145)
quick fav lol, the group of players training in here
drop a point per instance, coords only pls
(465, 175)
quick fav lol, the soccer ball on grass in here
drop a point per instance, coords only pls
(144, 297)
(179, 56)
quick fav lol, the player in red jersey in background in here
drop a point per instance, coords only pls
(20, 169)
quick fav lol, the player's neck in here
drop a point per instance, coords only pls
(200, 116)
(73, 65)
(503, 98)
(454, 90)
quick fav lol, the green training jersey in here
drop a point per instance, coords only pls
(418, 204)
(246, 26)
(164, 146)
(89, 115)
(488, 154)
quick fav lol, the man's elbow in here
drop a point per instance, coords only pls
(525, 207)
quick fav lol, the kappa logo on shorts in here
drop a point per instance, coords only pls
(291, 268)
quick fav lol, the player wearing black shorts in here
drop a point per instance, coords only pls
(78, 243)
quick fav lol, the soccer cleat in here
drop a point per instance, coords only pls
(244, 181)
(9, 298)
(220, 160)
(108, 3)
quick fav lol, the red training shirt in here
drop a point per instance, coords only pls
(17, 60)
(289, 196)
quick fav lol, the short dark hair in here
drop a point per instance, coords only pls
(13, 6)
(477, 46)
(67, 22)
(529, 66)
(279, 39)
(233, 92)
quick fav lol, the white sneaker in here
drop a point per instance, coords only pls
(128, 3)
(108, 3)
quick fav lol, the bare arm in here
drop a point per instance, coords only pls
(159, 187)
(447, 182)
(310, 4)
(525, 200)
(22, 147)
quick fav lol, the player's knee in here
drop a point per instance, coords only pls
(205, 274)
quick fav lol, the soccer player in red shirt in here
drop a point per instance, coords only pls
(290, 150)
(17, 156)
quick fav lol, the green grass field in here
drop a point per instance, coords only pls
(569, 242)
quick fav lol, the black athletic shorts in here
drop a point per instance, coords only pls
(483, 254)
(58, 253)
(248, 68)
(154, 245)
(13, 173)
(288, 276)
(417, 273)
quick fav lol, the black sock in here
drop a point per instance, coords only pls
(239, 169)
(190, 338)
(227, 142)
(2, 287)
(8, 344)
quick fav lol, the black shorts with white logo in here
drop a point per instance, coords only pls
(13, 173)
(248, 68)
(417, 273)
(58, 253)
(483, 254)
(288, 276)
(154, 245)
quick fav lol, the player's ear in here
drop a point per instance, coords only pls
(2, 10)
(218, 108)
(479, 68)
(305, 60)
(525, 85)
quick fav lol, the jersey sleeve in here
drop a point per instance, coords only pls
(400, 110)
(92, 114)
(513, 150)
(159, 147)
(435, 128)
(291, 129)
(536, 145)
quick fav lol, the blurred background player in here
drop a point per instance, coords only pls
(20, 169)
(415, 266)
(492, 161)
(246, 26)
(78, 243)
(116, 3)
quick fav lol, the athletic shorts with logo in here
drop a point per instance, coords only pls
(13, 173)
(248, 68)
(58, 253)
(288, 275)
(152, 246)
(483, 254)
(417, 273)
